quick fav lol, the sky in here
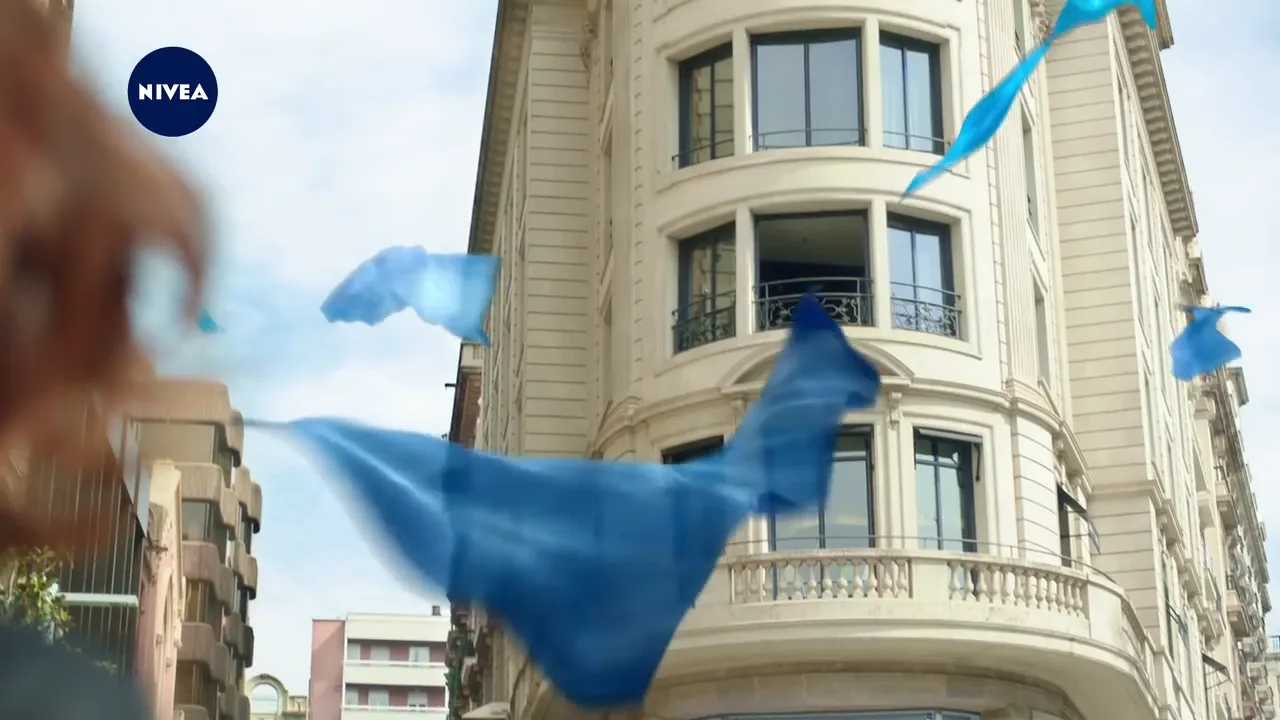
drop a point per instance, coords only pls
(342, 128)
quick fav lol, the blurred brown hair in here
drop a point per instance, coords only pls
(80, 194)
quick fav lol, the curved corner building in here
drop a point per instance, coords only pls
(1036, 521)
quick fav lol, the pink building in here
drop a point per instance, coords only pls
(162, 596)
(373, 666)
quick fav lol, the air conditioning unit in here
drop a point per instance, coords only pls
(492, 711)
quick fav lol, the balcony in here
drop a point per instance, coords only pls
(1068, 628)
(205, 482)
(383, 712)
(249, 493)
(246, 566)
(395, 673)
(827, 254)
(200, 645)
(200, 561)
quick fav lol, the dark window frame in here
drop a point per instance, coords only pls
(686, 68)
(867, 433)
(969, 466)
(934, 52)
(806, 38)
(863, 316)
(691, 451)
(947, 252)
(726, 233)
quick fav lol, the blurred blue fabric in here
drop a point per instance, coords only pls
(452, 291)
(1201, 348)
(988, 114)
(206, 324)
(593, 564)
(1077, 13)
(983, 121)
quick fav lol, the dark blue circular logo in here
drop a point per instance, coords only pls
(172, 92)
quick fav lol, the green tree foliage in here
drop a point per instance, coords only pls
(29, 593)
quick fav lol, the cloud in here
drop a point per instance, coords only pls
(341, 128)
(1226, 125)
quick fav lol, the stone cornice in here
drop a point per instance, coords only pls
(1143, 47)
(495, 146)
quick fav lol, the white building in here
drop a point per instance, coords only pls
(1036, 521)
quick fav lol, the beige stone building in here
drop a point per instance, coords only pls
(1036, 521)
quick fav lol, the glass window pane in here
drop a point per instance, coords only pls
(926, 506)
(379, 698)
(698, 106)
(951, 508)
(835, 113)
(895, 96)
(795, 531)
(352, 698)
(921, 109)
(902, 267)
(848, 510)
(725, 267)
(380, 652)
(780, 104)
(722, 108)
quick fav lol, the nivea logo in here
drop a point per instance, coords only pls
(172, 91)
(147, 91)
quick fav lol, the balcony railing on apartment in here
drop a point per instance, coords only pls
(848, 300)
(926, 310)
(102, 578)
(708, 320)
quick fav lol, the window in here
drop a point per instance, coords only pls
(946, 476)
(1068, 506)
(197, 520)
(1043, 365)
(379, 697)
(193, 686)
(1066, 537)
(847, 518)
(420, 654)
(708, 279)
(1021, 28)
(911, 75)
(692, 451)
(1032, 176)
(353, 651)
(824, 253)
(807, 89)
(352, 698)
(202, 605)
(922, 277)
(706, 107)
(380, 653)
(418, 699)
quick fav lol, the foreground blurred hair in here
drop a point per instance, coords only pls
(80, 195)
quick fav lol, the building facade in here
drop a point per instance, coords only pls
(372, 666)
(191, 426)
(1035, 521)
(163, 591)
(270, 700)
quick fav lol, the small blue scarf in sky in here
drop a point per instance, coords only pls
(985, 118)
(1201, 348)
(452, 291)
(593, 564)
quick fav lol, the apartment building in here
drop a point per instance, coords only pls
(374, 666)
(1036, 520)
(191, 426)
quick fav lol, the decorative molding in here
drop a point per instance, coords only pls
(893, 403)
